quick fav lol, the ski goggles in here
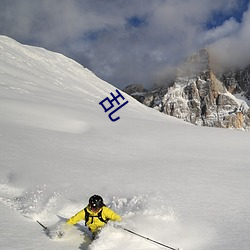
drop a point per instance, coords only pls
(94, 208)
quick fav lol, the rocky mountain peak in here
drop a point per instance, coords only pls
(200, 96)
(196, 64)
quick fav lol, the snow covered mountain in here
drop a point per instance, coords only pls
(182, 185)
(201, 96)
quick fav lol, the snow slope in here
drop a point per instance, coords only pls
(173, 182)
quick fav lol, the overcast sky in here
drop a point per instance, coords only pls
(131, 41)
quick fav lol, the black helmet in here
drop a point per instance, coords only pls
(96, 202)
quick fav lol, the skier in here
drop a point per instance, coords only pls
(95, 214)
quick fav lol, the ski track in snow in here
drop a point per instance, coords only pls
(43, 117)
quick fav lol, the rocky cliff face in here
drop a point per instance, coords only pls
(201, 97)
(237, 81)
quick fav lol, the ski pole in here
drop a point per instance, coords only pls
(45, 228)
(146, 238)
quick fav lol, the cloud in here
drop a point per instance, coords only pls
(233, 49)
(228, 28)
(121, 41)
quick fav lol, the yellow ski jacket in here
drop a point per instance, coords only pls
(94, 223)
